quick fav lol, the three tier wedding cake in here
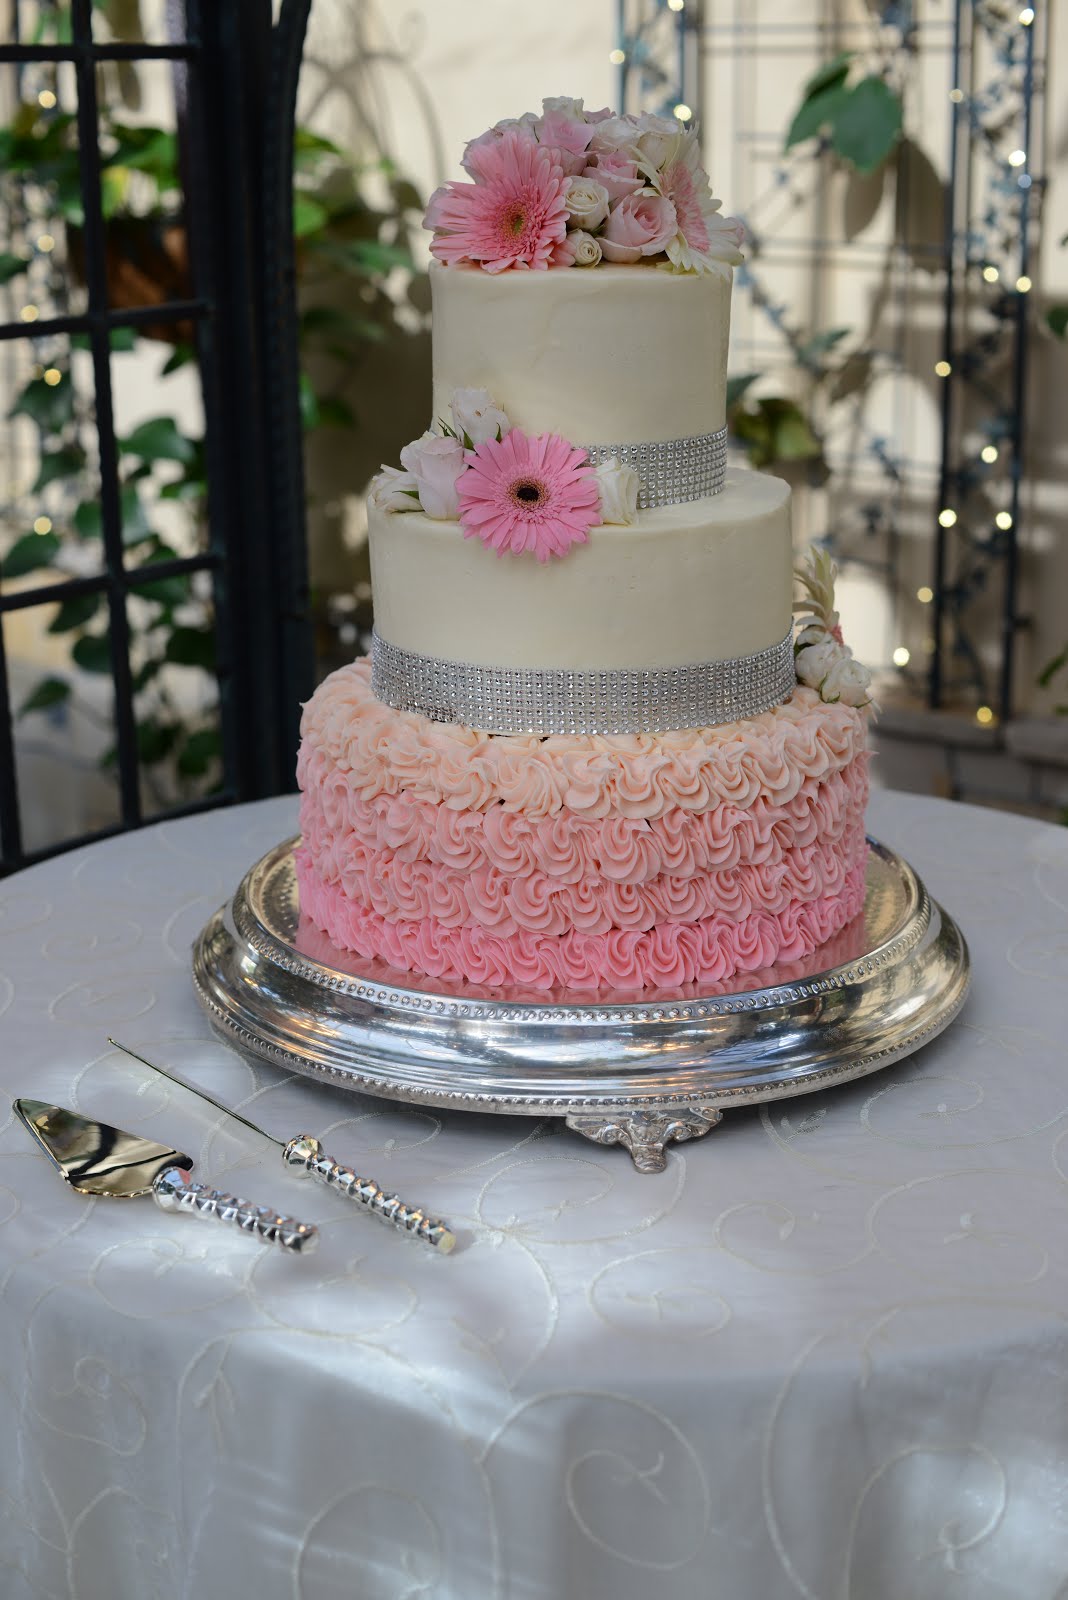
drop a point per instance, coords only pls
(589, 750)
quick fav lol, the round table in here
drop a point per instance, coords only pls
(823, 1354)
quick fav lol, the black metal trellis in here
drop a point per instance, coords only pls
(239, 71)
(971, 511)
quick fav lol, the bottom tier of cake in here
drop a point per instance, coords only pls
(579, 862)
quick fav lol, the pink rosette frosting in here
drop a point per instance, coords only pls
(388, 752)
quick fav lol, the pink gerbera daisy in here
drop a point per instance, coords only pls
(528, 492)
(511, 216)
(706, 241)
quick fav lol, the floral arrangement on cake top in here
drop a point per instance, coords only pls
(573, 188)
(514, 491)
(822, 659)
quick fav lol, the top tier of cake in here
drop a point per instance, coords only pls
(614, 355)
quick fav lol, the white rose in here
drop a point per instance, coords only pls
(564, 103)
(616, 133)
(618, 485)
(847, 681)
(811, 633)
(474, 414)
(813, 663)
(585, 249)
(659, 138)
(435, 463)
(587, 202)
(393, 490)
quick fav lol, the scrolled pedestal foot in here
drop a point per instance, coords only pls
(645, 1133)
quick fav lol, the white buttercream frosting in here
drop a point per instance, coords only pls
(619, 355)
(704, 581)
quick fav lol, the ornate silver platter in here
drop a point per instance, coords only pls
(638, 1070)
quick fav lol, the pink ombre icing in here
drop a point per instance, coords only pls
(528, 493)
(674, 954)
(580, 862)
(512, 215)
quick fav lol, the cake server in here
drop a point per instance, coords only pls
(97, 1159)
(305, 1154)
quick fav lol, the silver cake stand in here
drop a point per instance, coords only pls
(638, 1070)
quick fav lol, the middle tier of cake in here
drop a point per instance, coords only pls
(708, 580)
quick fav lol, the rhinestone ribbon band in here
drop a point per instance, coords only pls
(499, 700)
(673, 470)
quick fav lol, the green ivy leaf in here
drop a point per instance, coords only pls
(49, 692)
(820, 343)
(11, 265)
(192, 647)
(1057, 320)
(135, 524)
(814, 114)
(33, 550)
(88, 519)
(146, 672)
(155, 741)
(121, 340)
(828, 76)
(336, 413)
(92, 653)
(58, 464)
(1051, 669)
(180, 356)
(308, 215)
(737, 386)
(309, 403)
(50, 405)
(159, 439)
(867, 125)
(199, 751)
(74, 613)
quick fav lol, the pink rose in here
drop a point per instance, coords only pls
(435, 462)
(615, 172)
(567, 136)
(642, 224)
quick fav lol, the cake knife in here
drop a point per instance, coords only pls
(305, 1154)
(98, 1159)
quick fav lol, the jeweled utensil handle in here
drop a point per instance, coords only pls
(307, 1156)
(175, 1190)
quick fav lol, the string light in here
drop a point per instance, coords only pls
(1017, 158)
(947, 517)
(1023, 284)
(991, 274)
(46, 99)
(1004, 520)
(956, 95)
(45, 242)
(52, 376)
(901, 656)
(943, 369)
(683, 111)
(984, 715)
(924, 594)
(42, 525)
(1026, 17)
(617, 57)
(29, 313)
(989, 453)
(676, 5)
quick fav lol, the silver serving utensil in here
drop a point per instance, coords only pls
(305, 1154)
(97, 1159)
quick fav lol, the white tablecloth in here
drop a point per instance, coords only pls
(825, 1354)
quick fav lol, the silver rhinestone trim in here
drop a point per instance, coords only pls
(671, 470)
(502, 700)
